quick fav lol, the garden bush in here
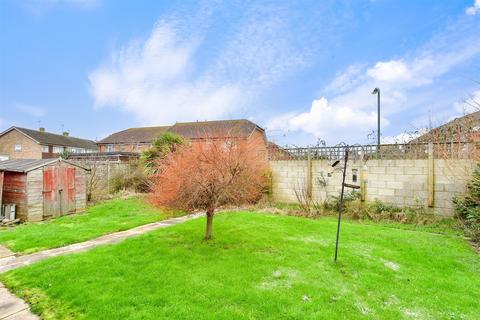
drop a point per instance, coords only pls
(136, 181)
(467, 207)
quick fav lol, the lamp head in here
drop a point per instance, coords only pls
(375, 91)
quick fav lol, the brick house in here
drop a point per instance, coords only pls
(461, 129)
(22, 143)
(131, 140)
(139, 139)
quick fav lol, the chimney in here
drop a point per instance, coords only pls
(66, 133)
(42, 129)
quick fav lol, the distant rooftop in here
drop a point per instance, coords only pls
(213, 129)
(135, 135)
(459, 129)
(191, 130)
(52, 139)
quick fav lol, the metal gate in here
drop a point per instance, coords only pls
(58, 191)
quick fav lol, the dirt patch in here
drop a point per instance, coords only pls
(391, 265)
(309, 239)
(280, 278)
(5, 252)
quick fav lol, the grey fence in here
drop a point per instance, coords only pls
(448, 150)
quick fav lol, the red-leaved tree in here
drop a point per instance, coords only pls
(209, 174)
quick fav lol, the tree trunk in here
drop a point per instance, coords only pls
(208, 233)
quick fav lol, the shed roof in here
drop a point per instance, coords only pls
(47, 138)
(26, 165)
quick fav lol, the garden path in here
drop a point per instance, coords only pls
(14, 308)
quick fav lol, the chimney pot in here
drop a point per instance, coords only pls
(42, 129)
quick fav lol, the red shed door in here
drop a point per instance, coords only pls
(51, 205)
(58, 191)
(68, 204)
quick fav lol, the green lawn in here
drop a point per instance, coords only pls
(107, 217)
(260, 266)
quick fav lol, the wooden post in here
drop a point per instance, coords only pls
(431, 177)
(363, 181)
(309, 178)
(108, 177)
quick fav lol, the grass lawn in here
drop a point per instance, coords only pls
(260, 266)
(106, 217)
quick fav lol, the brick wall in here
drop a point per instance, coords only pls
(30, 149)
(399, 182)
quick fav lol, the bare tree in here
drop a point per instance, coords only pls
(211, 174)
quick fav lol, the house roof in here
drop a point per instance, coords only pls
(26, 165)
(47, 138)
(191, 130)
(135, 135)
(459, 129)
(214, 129)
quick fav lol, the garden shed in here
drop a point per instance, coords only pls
(42, 188)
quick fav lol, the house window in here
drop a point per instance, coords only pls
(57, 149)
(18, 147)
(74, 150)
(45, 149)
(122, 147)
(109, 148)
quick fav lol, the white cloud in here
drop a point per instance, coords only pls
(351, 104)
(347, 79)
(152, 79)
(474, 9)
(469, 105)
(33, 111)
(328, 122)
(160, 81)
(403, 137)
(390, 71)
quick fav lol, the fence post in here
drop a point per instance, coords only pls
(309, 177)
(108, 177)
(431, 177)
(363, 180)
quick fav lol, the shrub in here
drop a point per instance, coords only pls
(467, 207)
(210, 174)
(162, 146)
(136, 181)
(333, 203)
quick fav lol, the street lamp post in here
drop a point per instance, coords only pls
(377, 92)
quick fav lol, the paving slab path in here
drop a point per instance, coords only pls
(14, 308)
(10, 263)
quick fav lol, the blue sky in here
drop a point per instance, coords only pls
(304, 70)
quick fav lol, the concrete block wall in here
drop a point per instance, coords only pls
(400, 182)
(287, 177)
